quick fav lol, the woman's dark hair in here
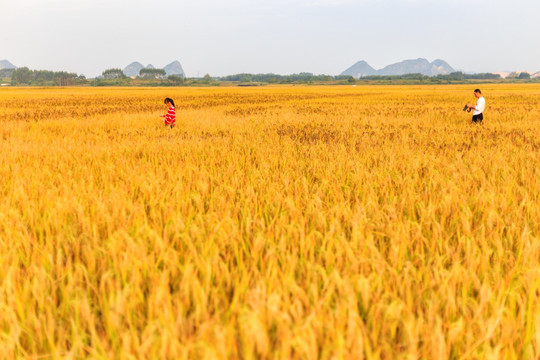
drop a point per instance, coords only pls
(169, 100)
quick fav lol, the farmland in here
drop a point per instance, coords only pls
(276, 222)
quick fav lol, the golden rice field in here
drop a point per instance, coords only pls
(271, 223)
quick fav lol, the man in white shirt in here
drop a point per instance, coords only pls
(478, 113)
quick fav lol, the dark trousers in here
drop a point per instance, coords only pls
(478, 118)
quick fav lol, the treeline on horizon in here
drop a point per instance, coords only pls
(270, 78)
(156, 77)
(451, 76)
(25, 77)
(456, 76)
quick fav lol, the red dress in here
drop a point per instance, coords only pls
(170, 118)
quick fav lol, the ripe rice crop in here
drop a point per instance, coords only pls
(271, 223)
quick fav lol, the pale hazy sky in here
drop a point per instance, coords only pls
(279, 36)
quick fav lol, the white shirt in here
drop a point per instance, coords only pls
(480, 106)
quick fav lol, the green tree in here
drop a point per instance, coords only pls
(21, 76)
(25, 76)
(176, 79)
(113, 74)
(152, 73)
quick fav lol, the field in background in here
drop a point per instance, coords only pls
(286, 222)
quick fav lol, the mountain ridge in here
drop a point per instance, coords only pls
(409, 66)
(5, 64)
(174, 68)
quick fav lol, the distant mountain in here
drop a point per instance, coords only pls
(441, 67)
(420, 66)
(4, 64)
(133, 69)
(174, 68)
(407, 67)
(360, 69)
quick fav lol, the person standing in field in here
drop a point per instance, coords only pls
(170, 117)
(478, 109)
